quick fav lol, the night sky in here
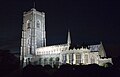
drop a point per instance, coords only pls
(89, 21)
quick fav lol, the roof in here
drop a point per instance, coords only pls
(94, 47)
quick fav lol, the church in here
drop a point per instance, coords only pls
(35, 51)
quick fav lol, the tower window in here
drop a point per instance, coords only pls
(28, 24)
(38, 24)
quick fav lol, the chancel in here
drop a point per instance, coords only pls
(35, 51)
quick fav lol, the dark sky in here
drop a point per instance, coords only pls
(90, 21)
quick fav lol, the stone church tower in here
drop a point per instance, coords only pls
(33, 33)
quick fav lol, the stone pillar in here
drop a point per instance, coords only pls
(82, 58)
(60, 61)
(74, 58)
(67, 61)
(89, 58)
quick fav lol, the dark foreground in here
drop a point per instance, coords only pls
(65, 71)
(9, 67)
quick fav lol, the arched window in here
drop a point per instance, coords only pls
(28, 41)
(40, 61)
(45, 61)
(38, 24)
(28, 24)
(57, 61)
(51, 61)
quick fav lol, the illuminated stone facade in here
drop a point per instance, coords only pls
(35, 51)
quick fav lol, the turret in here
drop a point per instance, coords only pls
(102, 50)
(68, 39)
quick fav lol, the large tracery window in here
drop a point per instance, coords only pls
(64, 58)
(92, 60)
(78, 58)
(86, 58)
(71, 58)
